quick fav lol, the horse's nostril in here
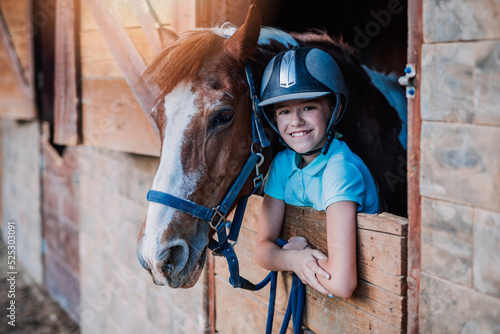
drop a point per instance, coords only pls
(173, 258)
(168, 269)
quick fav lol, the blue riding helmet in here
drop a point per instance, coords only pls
(304, 73)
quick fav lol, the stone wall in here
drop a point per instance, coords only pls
(21, 192)
(460, 167)
(118, 296)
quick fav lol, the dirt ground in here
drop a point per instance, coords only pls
(35, 311)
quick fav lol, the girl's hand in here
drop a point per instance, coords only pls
(307, 268)
(297, 243)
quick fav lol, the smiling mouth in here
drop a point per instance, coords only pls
(300, 133)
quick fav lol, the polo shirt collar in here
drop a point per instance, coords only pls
(318, 163)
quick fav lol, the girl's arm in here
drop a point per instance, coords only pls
(341, 241)
(270, 256)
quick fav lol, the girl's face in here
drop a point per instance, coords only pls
(302, 123)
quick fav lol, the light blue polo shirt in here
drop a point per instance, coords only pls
(340, 175)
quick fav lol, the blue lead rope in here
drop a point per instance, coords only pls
(296, 301)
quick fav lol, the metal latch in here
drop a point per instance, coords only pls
(408, 80)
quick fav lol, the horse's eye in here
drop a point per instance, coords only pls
(223, 117)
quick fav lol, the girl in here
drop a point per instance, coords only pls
(304, 90)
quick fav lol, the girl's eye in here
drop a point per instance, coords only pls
(309, 108)
(283, 112)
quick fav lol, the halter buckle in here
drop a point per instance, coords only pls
(217, 216)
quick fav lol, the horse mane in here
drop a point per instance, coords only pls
(180, 61)
(184, 57)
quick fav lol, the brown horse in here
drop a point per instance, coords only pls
(203, 111)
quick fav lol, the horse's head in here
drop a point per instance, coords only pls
(203, 114)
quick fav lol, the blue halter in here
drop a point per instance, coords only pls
(216, 218)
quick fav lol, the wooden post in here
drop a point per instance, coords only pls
(415, 41)
(66, 99)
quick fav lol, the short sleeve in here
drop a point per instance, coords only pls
(343, 181)
(276, 179)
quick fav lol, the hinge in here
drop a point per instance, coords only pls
(408, 80)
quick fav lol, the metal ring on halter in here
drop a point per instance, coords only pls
(255, 151)
(221, 218)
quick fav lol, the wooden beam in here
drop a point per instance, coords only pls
(415, 40)
(183, 15)
(149, 23)
(30, 72)
(124, 51)
(13, 62)
(66, 100)
(110, 118)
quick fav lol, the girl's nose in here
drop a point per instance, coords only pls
(296, 119)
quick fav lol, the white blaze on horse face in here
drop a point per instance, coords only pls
(170, 177)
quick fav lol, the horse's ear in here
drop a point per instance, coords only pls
(243, 43)
(166, 36)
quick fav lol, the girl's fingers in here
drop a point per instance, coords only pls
(315, 284)
(318, 255)
(320, 272)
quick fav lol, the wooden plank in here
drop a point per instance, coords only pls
(23, 48)
(183, 15)
(14, 11)
(97, 59)
(13, 110)
(30, 66)
(383, 222)
(163, 11)
(66, 102)
(112, 118)
(14, 63)
(149, 23)
(9, 91)
(393, 283)
(125, 53)
(335, 315)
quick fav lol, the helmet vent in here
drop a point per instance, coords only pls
(288, 73)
